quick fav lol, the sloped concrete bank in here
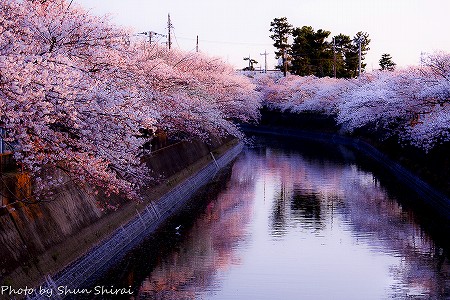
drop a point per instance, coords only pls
(437, 201)
(129, 235)
(39, 239)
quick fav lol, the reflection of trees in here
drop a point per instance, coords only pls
(303, 192)
(386, 226)
(278, 212)
(310, 192)
(307, 206)
(296, 204)
(316, 195)
(208, 246)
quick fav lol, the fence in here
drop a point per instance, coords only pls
(2, 142)
(5, 148)
(6, 161)
(126, 237)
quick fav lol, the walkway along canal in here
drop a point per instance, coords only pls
(296, 219)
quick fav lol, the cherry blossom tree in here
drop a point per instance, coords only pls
(60, 97)
(74, 93)
(206, 93)
(410, 103)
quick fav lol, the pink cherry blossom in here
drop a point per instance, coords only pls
(74, 92)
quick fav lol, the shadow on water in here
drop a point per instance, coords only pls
(307, 206)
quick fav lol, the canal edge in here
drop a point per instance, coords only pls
(431, 196)
(125, 237)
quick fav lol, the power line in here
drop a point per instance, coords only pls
(225, 42)
(175, 37)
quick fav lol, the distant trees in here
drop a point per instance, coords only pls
(352, 54)
(311, 53)
(281, 30)
(386, 62)
(314, 53)
(251, 63)
(411, 104)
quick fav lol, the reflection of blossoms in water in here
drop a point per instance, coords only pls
(290, 225)
(207, 251)
(309, 194)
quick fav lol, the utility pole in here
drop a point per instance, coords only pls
(150, 33)
(334, 57)
(284, 62)
(169, 26)
(359, 55)
(196, 47)
(265, 60)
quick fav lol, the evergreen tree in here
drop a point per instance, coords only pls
(311, 53)
(301, 49)
(251, 63)
(352, 56)
(342, 47)
(281, 30)
(386, 62)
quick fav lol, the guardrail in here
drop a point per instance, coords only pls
(5, 148)
(123, 239)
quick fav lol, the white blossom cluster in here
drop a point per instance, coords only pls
(411, 103)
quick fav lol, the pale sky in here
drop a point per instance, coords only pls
(235, 29)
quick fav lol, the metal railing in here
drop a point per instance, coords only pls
(4, 146)
(2, 142)
(129, 235)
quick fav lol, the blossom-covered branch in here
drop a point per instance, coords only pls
(412, 103)
(74, 94)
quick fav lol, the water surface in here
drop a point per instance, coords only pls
(293, 222)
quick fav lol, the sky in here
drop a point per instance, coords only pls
(235, 29)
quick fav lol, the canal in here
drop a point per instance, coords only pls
(292, 220)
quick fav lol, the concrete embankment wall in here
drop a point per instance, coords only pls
(436, 200)
(130, 234)
(39, 239)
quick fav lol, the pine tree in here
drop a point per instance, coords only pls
(281, 30)
(386, 62)
(342, 46)
(312, 54)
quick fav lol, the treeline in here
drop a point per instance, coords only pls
(412, 104)
(312, 52)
